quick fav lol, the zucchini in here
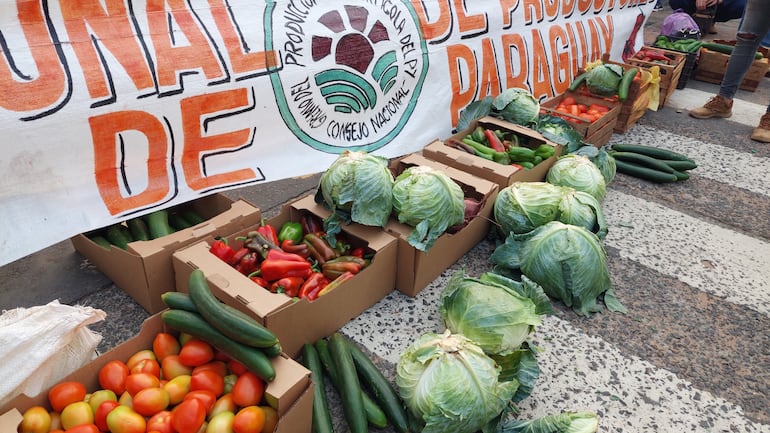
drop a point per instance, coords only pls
(645, 173)
(179, 301)
(138, 229)
(726, 49)
(229, 321)
(383, 391)
(641, 159)
(178, 222)
(322, 419)
(350, 387)
(374, 415)
(195, 325)
(625, 83)
(578, 81)
(157, 222)
(655, 152)
(680, 165)
(193, 217)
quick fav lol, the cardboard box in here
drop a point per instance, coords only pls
(502, 175)
(296, 322)
(669, 73)
(291, 393)
(145, 271)
(712, 64)
(415, 268)
(592, 132)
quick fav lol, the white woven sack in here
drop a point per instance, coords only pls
(42, 344)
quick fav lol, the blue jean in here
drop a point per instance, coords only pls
(754, 27)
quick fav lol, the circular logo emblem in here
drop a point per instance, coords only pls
(350, 74)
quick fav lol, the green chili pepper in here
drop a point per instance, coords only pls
(290, 230)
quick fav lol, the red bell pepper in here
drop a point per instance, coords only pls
(311, 224)
(494, 141)
(319, 248)
(337, 281)
(289, 246)
(268, 232)
(254, 276)
(220, 249)
(358, 252)
(332, 270)
(312, 286)
(288, 285)
(283, 255)
(275, 269)
(240, 253)
(248, 264)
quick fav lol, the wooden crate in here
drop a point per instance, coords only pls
(588, 130)
(601, 136)
(711, 67)
(669, 74)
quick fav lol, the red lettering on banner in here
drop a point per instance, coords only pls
(552, 8)
(541, 76)
(171, 58)
(507, 7)
(533, 11)
(462, 94)
(469, 24)
(198, 147)
(515, 51)
(44, 87)
(490, 78)
(561, 76)
(106, 132)
(438, 29)
(113, 30)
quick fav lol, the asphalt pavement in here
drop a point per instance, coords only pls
(689, 260)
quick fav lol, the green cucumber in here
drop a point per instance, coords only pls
(726, 49)
(519, 154)
(625, 83)
(645, 173)
(179, 301)
(193, 217)
(577, 81)
(382, 390)
(680, 165)
(680, 175)
(374, 415)
(138, 229)
(655, 152)
(322, 419)
(100, 240)
(195, 325)
(641, 159)
(229, 321)
(158, 224)
(118, 235)
(273, 350)
(178, 222)
(350, 387)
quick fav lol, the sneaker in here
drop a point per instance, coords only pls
(658, 7)
(718, 106)
(762, 132)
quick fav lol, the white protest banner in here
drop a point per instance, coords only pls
(111, 109)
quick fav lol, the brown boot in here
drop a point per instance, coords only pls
(762, 132)
(718, 106)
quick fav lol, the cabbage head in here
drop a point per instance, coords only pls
(523, 206)
(582, 209)
(578, 172)
(569, 262)
(604, 79)
(517, 105)
(565, 422)
(601, 159)
(449, 385)
(494, 316)
(357, 187)
(559, 131)
(428, 200)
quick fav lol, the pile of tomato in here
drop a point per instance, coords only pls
(579, 112)
(181, 385)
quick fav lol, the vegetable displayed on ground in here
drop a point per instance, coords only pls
(568, 261)
(576, 112)
(578, 172)
(606, 79)
(687, 45)
(601, 159)
(652, 55)
(144, 228)
(302, 264)
(516, 105)
(559, 131)
(503, 147)
(650, 163)
(565, 422)
(727, 49)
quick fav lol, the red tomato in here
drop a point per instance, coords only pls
(568, 100)
(165, 344)
(98, 397)
(221, 423)
(217, 366)
(123, 419)
(140, 356)
(100, 415)
(139, 381)
(146, 366)
(177, 388)
(250, 419)
(223, 404)
(77, 413)
(196, 352)
(113, 376)
(64, 393)
(271, 419)
(188, 416)
(206, 397)
(35, 420)
(160, 422)
(172, 366)
(209, 380)
(84, 428)
(248, 390)
(150, 401)
(582, 108)
(599, 107)
(236, 367)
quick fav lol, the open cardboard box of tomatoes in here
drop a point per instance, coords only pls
(415, 268)
(503, 175)
(144, 270)
(590, 116)
(290, 393)
(296, 321)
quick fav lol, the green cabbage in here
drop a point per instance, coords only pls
(578, 172)
(524, 206)
(449, 385)
(569, 262)
(601, 159)
(582, 209)
(559, 131)
(428, 200)
(565, 422)
(517, 105)
(357, 187)
(604, 79)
